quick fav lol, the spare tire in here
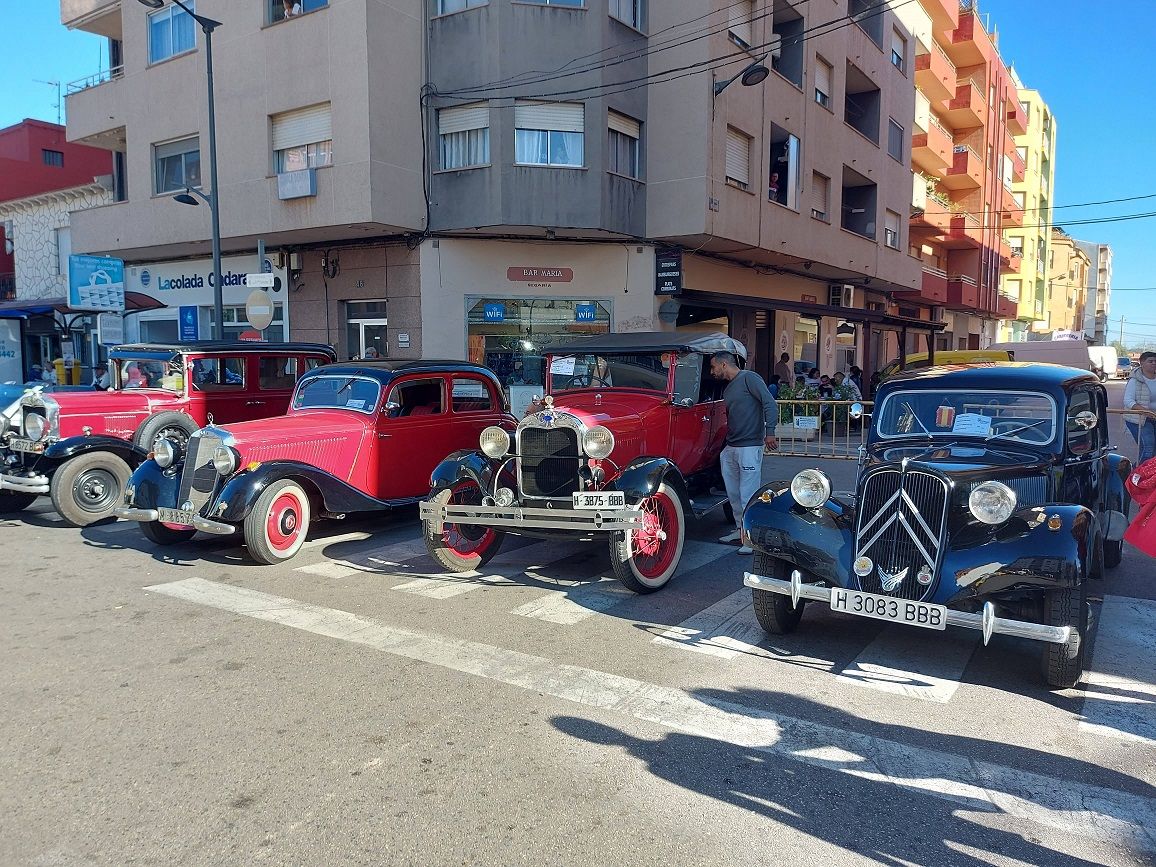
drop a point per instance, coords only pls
(172, 425)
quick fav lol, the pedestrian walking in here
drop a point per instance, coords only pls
(751, 418)
(1140, 393)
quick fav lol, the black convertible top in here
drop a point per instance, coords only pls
(650, 341)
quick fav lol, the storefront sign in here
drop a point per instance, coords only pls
(110, 329)
(809, 299)
(95, 283)
(585, 312)
(667, 272)
(494, 313)
(403, 340)
(521, 274)
(188, 324)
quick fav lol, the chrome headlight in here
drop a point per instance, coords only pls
(811, 488)
(165, 452)
(494, 442)
(598, 442)
(35, 426)
(224, 460)
(992, 502)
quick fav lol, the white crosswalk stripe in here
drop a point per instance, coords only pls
(506, 568)
(1120, 697)
(374, 560)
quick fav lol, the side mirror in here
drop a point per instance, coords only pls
(1086, 419)
(855, 410)
(686, 401)
(392, 409)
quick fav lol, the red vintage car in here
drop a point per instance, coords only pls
(624, 444)
(81, 446)
(357, 437)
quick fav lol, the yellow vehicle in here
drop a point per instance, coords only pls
(917, 360)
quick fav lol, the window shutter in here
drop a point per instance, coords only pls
(301, 127)
(738, 156)
(554, 116)
(823, 77)
(623, 124)
(476, 115)
(741, 14)
(175, 148)
(899, 45)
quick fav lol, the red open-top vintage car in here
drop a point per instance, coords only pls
(631, 427)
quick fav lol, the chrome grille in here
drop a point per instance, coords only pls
(198, 476)
(548, 462)
(1030, 490)
(902, 524)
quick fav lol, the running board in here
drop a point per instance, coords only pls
(706, 503)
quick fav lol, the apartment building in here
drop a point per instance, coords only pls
(1068, 274)
(965, 163)
(764, 192)
(1029, 284)
(1098, 291)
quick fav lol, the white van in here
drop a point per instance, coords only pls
(1070, 353)
(1105, 360)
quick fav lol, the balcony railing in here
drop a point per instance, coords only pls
(94, 79)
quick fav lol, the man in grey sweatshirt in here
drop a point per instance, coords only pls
(751, 418)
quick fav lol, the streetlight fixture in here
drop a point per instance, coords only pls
(754, 73)
(208, 25)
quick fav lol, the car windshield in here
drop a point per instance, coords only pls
(1015, 416)
(338, 392)
(650, 371)
(133, 373)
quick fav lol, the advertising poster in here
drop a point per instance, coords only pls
(95, 283)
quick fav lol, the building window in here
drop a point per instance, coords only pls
(1026, 108)
(859, 203)
(577, 4)
(820, 197)
(783, 175)
(549, 133)
(628, 12)
(279, 10)
(303, 139)
(63, 239)
(738, 164)
(861, 105)
(464, 135)
(787, 43)
(866, 13)
(171, 32)
(366, 327)
(52, 158)
(622, 154)
(899, 51)
(891, 230)
(176, 165)
(895, 140)
(823, 75)
(741, 14)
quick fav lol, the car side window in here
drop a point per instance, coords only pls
(277, 372)
(417, 397)
(312, 363)
(1081, 440)
(219, 374)
(688, 378)
(471, 395)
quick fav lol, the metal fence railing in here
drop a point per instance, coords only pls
(822, 428)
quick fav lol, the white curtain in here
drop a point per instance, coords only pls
(466, 148)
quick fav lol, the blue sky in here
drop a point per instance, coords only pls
(1089, 60)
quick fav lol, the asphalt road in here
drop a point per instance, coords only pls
(185, 706)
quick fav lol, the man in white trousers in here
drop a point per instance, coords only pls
(751, 418)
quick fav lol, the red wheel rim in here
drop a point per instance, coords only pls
(283, 523)
(467, 540)
(655, 543)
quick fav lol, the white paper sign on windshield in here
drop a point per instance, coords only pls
(563, 366)
(972, 424)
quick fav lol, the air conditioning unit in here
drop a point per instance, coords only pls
(841, 295)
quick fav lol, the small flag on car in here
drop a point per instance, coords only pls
(945, 416)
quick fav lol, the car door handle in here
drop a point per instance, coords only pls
(254, 403)
(382, 436)
(706, 418)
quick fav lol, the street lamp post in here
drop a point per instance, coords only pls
(208, 25)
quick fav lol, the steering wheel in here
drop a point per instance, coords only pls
(1029, 430)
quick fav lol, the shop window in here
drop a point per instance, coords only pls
(623, 151)
(464, 135)
(417, 397)
(171, 32)
(787, 42)
(806, 355)
(783, 176)
(738, 158)
(177, 165)
(366, 327)
(549, 133)
(303, 138)
(280, 10)
(471, 395)
(278, 373)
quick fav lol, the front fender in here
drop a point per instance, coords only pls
(818, 541)
(641, 477)
(72, 447)
(153, 487)
(463, 465)
(241, 492)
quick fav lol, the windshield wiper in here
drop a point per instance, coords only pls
(348, 383)
(922, 426)
(1030, 424)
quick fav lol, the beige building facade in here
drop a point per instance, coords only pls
(1068, 273)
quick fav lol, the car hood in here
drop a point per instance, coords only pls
(962, 460)
(327, 439)
(117, 413)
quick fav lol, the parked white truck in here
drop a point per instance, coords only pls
(1101, 360)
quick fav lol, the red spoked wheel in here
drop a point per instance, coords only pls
(279, 523)
(460, 547)
(647, 559)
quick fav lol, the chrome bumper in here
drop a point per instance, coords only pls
(986, 621)
(544, 519)
(131, 513)
(37, 484)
